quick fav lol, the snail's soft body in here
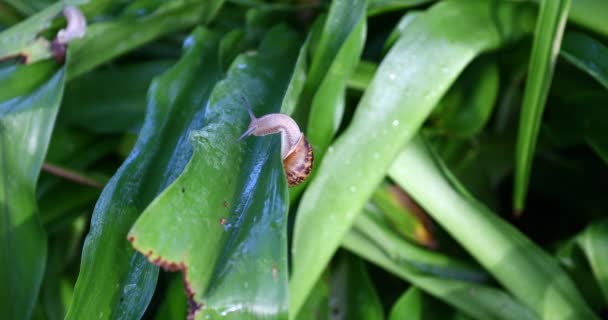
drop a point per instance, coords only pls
(296, 152)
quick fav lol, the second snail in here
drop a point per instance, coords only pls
(296, 151)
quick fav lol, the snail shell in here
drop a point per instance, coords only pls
(296, 151)
(298, 163)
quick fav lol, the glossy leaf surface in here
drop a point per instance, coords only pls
(588, 54)
(594, 242)
(26, 122)
(223, 221)
(409, 82)
(114, 280)
(499, 248)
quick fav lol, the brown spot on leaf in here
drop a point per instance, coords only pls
(226, 204)
(183, 190)
(425, 234)
(131, 238)
(223, 221)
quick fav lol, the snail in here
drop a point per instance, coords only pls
(296, 151)
(75, 29)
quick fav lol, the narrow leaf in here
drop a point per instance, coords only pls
(547, 40)
(409, 82)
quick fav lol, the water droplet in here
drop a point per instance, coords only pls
(330, 149)
(353, 189)
(241, 66)
(395, 123)
(392, 76)
(375, 155)
(188, 42)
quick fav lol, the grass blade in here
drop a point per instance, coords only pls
(547, 40)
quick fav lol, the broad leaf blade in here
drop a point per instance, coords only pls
(547, 40)
(534, 277)
(594, 242)
(114, 280)
(26, 123)
(117, 106)
(223, 221)
(478, 300)
(418, 70)
(353, 295)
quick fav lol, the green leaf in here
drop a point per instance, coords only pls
(405, 217)
(337, 47)
(370, 225)
(468, 105)
(226, 227)
(336, 57)
(174, 304)
(23, 38)
(415, 305)
(381, 6)
(115, 106)
(317, 303)
(409, 82)
(547, 40)
(26, 123)
(353, 295)
(104, 41)
(594, 242)
(114, 280)
(590, 14)
(587, 54)
(477, 300)
(534, 277)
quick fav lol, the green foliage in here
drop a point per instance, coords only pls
(125, 192)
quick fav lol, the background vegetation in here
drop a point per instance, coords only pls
(460, 160)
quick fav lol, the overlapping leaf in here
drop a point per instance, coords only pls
(114, 280)
(499, 247)
(223, 221)
(27, 117)
(420, 67)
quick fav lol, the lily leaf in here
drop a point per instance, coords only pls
(104, 41)
(587, 54)
(594, 242)
(26, 124)
(502, 250)
(547, 40)
(114, 280)
(411, 79)
(223, 221)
